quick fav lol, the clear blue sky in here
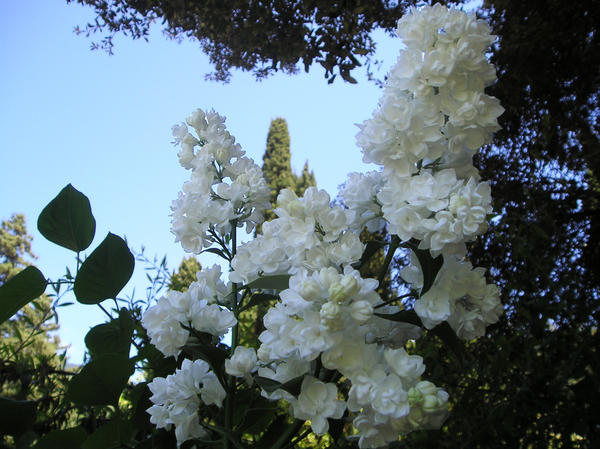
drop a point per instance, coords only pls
(103, 123)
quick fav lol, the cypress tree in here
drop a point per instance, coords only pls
(277, 169)
(305, 180)
(277, 166)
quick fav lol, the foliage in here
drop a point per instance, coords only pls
(262, 37)
(32, 373)
(185, 274)
(277, 165)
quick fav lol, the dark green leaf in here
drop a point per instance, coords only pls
(371, 248)
(101, 381)
(160, 365)
(258, 298)
(68, 221)
(429, 266)
(62, 439)
(140, 401)
(19, 290)
(163, 439)
(112, 435)
(275, 282)
(293, 386)
(16, 417)
(269, 385)
(113, 337)
(405, 316)
(449, 338)
(254, 413)
(105, 272)
(216, 251)
(280, 426)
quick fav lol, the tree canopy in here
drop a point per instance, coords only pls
(259, 36)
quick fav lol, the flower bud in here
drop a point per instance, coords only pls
(330, 311)
(310, 289)
(361, 311)
(345, 288)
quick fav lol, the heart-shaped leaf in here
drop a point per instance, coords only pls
(67, 220)
(22, 288)
(105, 272)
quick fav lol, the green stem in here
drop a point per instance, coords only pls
(287, 434)
(234, 340)
(394, 244)
(393, 300)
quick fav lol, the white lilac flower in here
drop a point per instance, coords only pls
(197, 307)
(224, 185)
(318, 401)
(178, 397)
(308, 233)
(433, 105)
(242, 363)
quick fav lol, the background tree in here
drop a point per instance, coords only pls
(185, 274)
(534, 382)
(30, 366)
(277, 169)
(262, 37)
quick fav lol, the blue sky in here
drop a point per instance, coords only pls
(103, 123)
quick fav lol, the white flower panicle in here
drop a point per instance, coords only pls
(224, 185)
(459, 295)
(432, 118)
(178, 397)
(199, 308)
(308, 233)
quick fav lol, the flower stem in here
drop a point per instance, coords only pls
(394, 244)
(234, 340)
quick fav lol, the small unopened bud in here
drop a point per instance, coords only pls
(310, 290)
(345, 288)
(361, 311)
(330, 311)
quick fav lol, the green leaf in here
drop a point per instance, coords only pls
(112, 435)
(67, 220)
(113, 337)
(269, 385)
(405, 316)
(105, 272)
(22, 288)
(445, 333)
(160, 365)
(163, 439)
(216, 251)
(101, 381)
(275, 282)
(280, 426)
(258, 298)
(371, 249)
(63, 439)
(140, 402)
(16, 417)
(429, 266)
